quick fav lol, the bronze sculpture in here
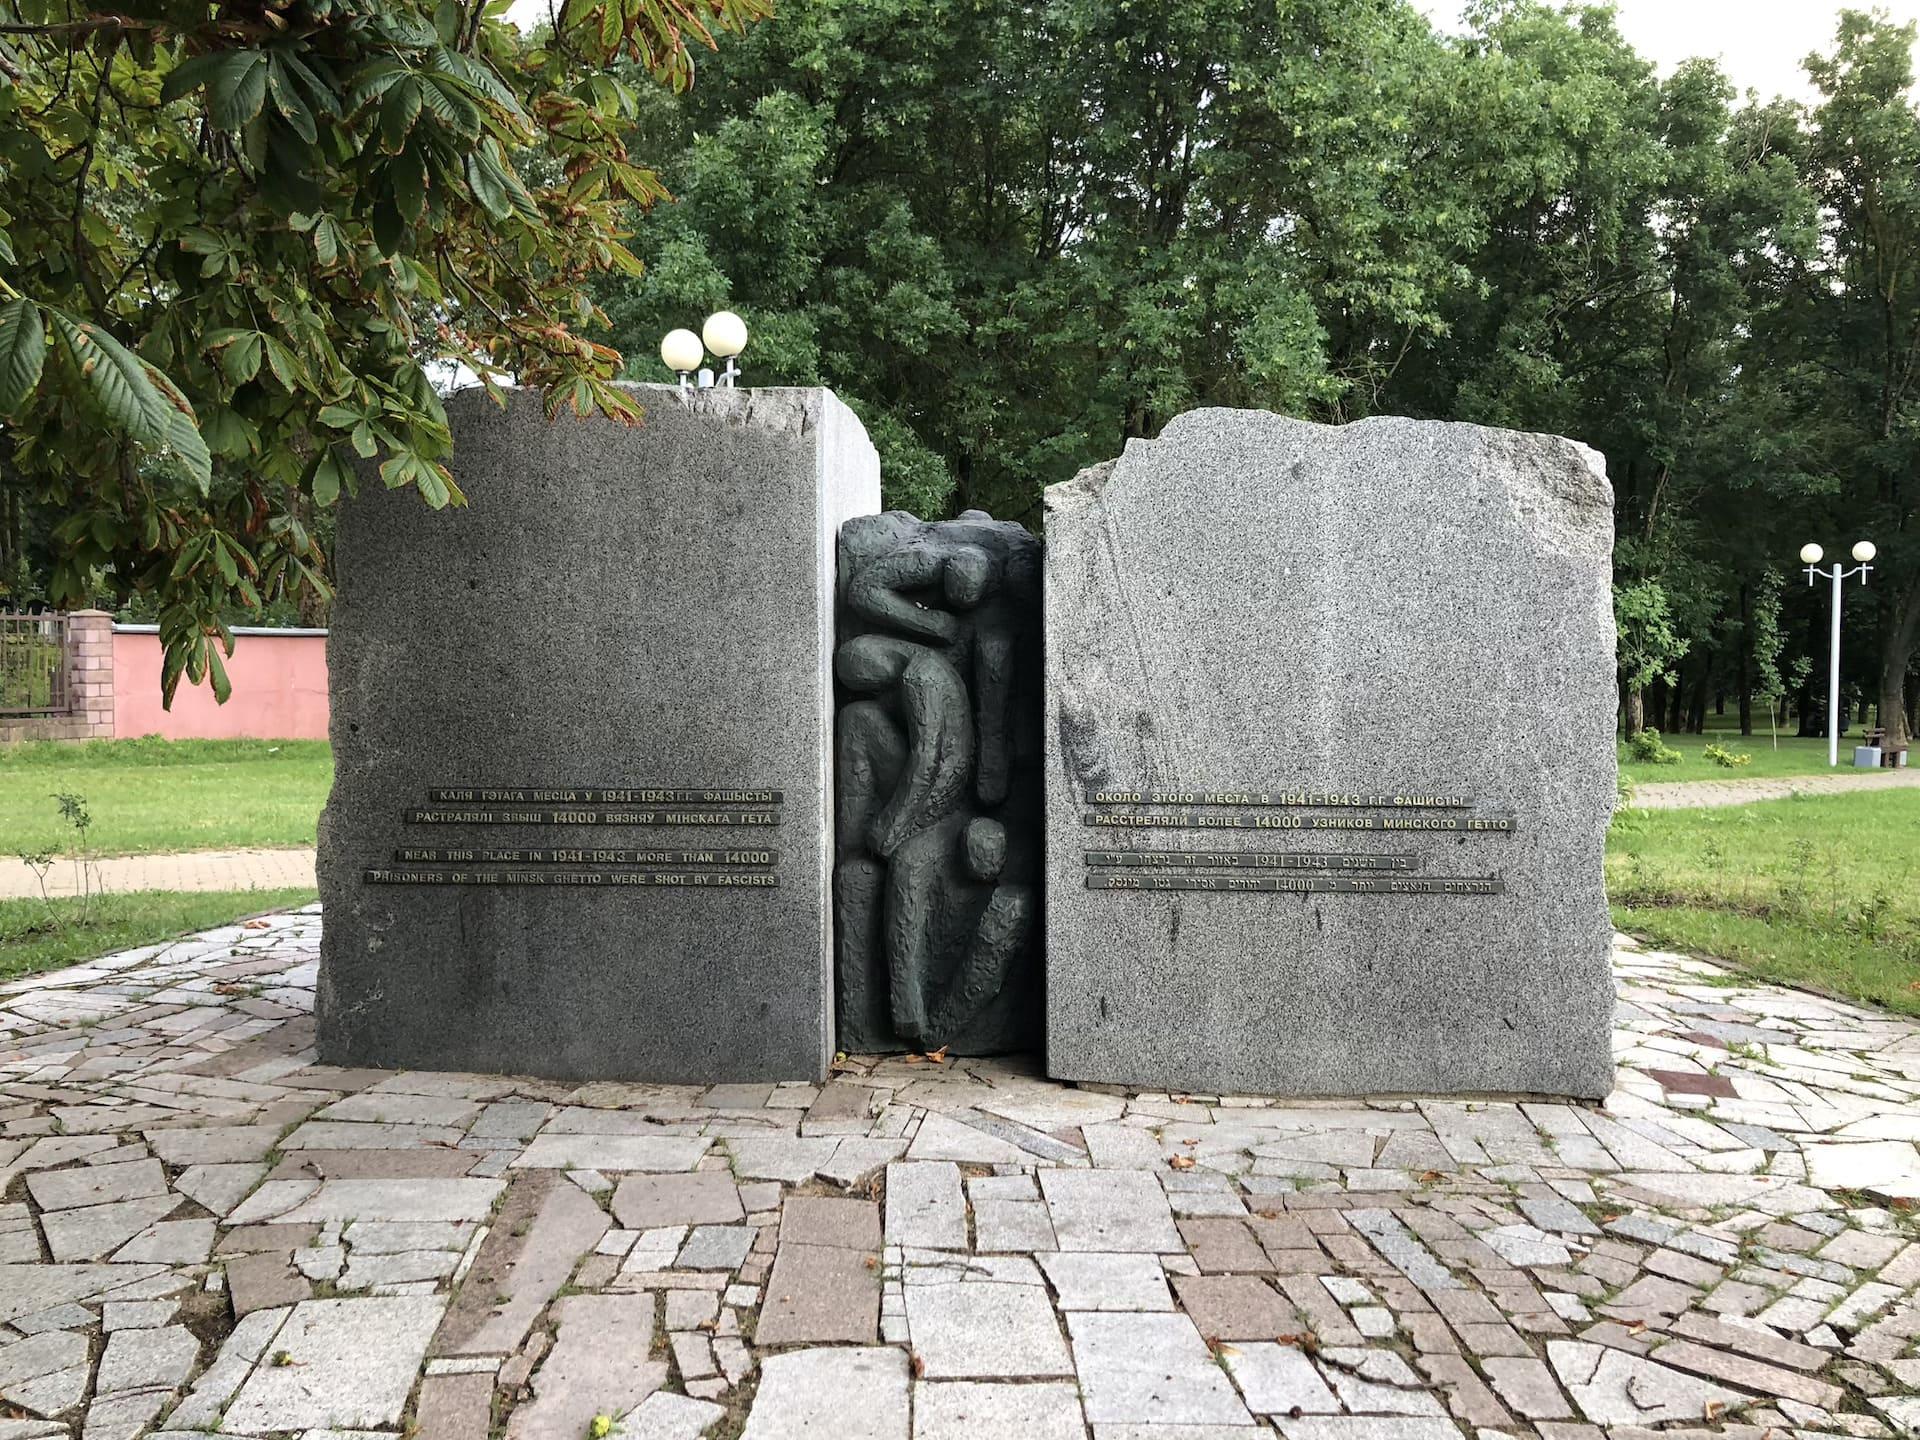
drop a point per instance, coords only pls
(937, 849)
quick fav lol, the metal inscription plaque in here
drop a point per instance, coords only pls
(479, 855)
(1304, 884)
(680, 879)
(678, 867)
(1250, 860)
(1406, 813)
(592, 817)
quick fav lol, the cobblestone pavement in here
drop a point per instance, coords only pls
(938, 1250)
(1695, 794)
(190, 870)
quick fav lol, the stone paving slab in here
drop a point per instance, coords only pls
(203, 1231)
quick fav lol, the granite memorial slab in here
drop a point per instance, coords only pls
(1330, 761)
(581, 823)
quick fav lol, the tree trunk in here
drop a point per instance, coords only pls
(1636, 712)
(1746, 660)
(1902, 634)
(1812, 702)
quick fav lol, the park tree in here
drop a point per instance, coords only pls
(1017, 235)
(1855, 322)
(238, 238)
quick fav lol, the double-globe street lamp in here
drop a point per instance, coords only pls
(681, 351)
(1810, 556)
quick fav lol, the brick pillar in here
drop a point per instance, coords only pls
(90, 674)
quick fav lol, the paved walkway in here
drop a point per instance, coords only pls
(927, 1252)
(1694, 794)
(193, 870)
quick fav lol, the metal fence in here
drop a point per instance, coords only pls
(33, 665)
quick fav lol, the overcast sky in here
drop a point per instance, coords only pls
(1759, 43)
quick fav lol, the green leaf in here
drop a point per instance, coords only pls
(238, 90)
(188, 450)
(240, 359)
(440, 98)
(115, 378)
(389, 230)
(288, 101)
(329, 475)
(217, 674)
(200, 70)
(23, 351)
(177, 655)
(286, 369)
(398, 112)
(487, 186)
(230, 434)
(409, 173)
(328, 238)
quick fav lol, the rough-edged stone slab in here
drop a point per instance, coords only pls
(349, 1364)
(1150, 1369)
(598, 1365)
(27, 1289)
(97, 1184)
(850, 1394)
(1252, 603)
(972, 1410)
(544, 1226)
(925, 1205)
(680, 578)
(985, 1332)
(1089, 1280)
(820, 1294)
(1110, 1210)
(703, 1197)
(462, 1199)
(455, 1407)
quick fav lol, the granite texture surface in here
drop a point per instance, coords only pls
(648, 607)
(1393, 607)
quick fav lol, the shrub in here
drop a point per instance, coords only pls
(1725, 758)
(1648, 748)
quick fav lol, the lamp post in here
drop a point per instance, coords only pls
(681, 353)
(725, 334)
(1810, 556)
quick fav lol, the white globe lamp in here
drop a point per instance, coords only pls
(725, 334)
(681, 352)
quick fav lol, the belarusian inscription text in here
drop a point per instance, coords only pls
(1303, 884)
(1256, 820)
(597, 795)
(504, 816)
(1308, 799)
(1248, 860)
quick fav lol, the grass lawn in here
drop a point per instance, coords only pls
(1822, 892)
(1794, 757)
(34, 937)
(162, 795)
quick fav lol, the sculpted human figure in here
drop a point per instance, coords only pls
(936, 907)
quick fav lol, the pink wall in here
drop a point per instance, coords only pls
(279, 690)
